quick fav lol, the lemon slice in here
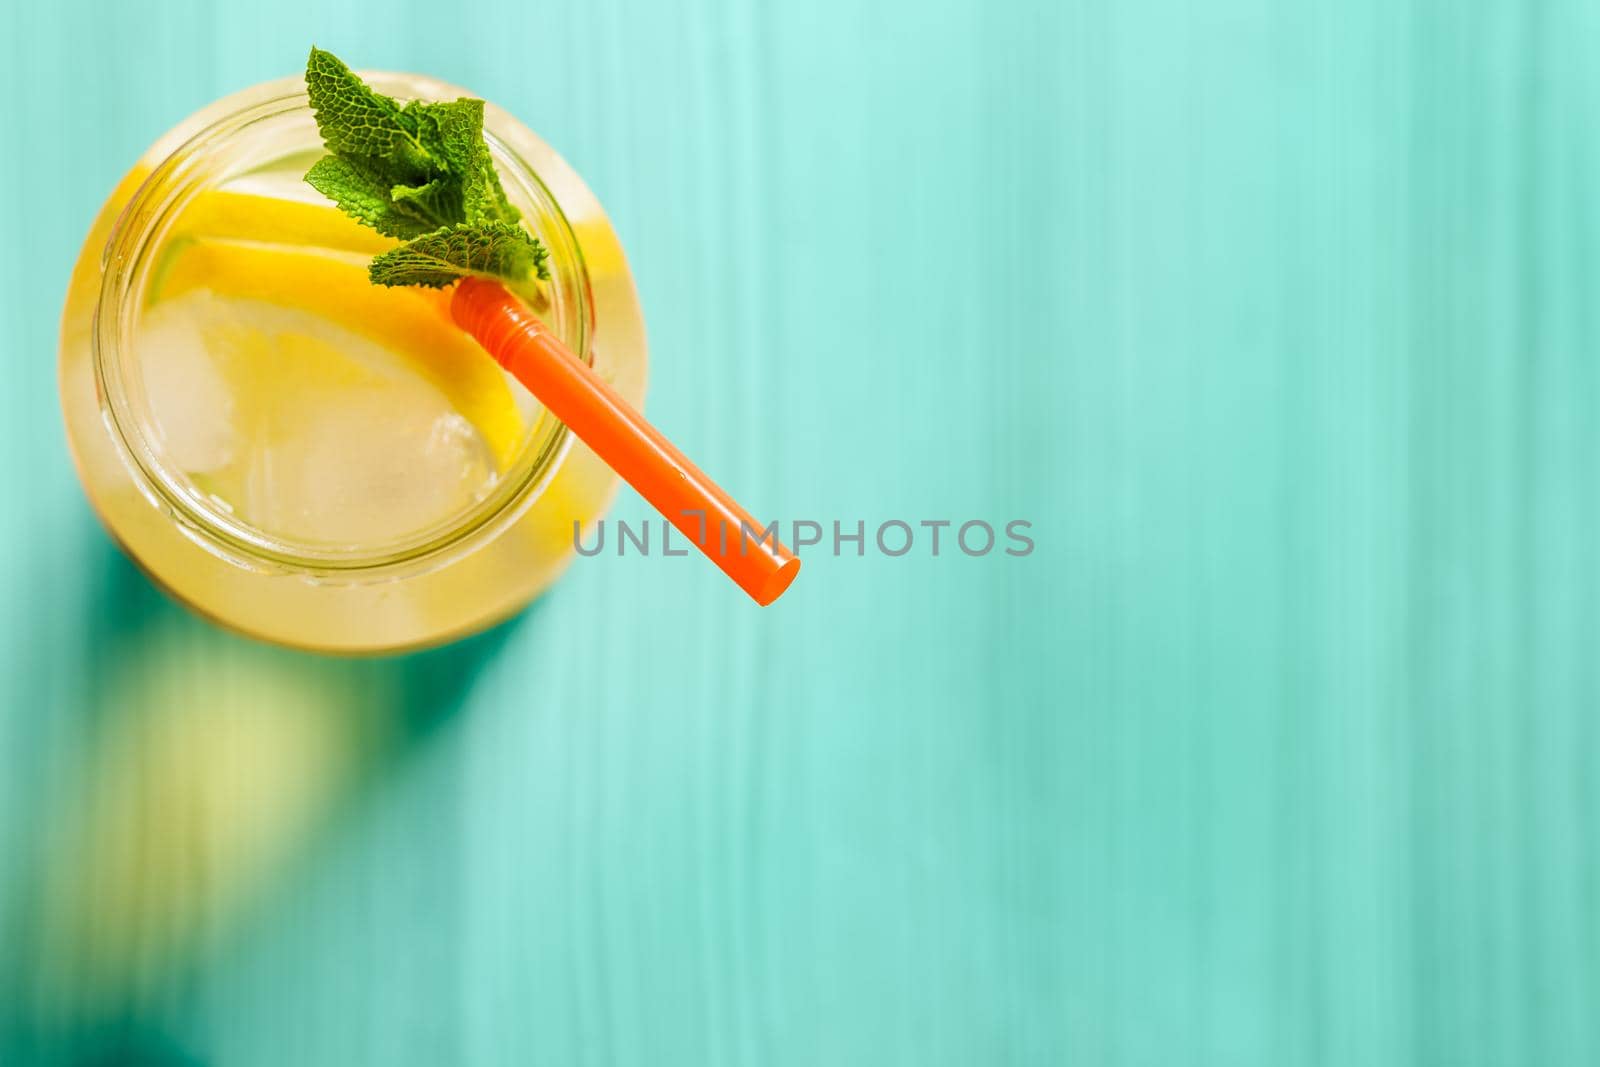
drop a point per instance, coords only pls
(414, 324)
(228, 215)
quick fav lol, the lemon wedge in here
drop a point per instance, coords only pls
(413, 324)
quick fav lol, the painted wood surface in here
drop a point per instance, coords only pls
(1276, 322)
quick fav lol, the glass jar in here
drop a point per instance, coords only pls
(419, 587)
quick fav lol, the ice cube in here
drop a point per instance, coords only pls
(361, 458)
(190, 404)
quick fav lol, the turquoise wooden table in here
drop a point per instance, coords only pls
(1275, 321)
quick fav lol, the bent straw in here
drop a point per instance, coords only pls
(637, 451)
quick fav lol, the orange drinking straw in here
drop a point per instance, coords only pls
(633, 448)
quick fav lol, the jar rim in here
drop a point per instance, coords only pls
(126, 259)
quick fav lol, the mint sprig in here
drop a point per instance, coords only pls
(420, 172)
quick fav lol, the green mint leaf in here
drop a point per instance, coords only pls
(453, 134)
(359, 188)
(423, 173)
(499, 250)
(449, 130)
(438, 202)
(485, 197)
(354, 120)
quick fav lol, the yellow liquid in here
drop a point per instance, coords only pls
(281, 397)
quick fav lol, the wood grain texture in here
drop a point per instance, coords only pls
(1275, 320)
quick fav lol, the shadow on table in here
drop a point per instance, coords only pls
(194, 774)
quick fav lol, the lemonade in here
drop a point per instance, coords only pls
(297, 452)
